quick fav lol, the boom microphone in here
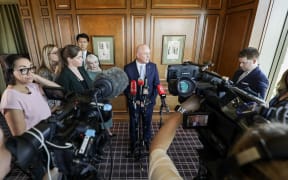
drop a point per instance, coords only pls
(110, 83)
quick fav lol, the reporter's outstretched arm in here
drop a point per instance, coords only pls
(160, 164)
(44, 82)
(166, 134)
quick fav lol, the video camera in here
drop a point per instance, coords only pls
(70, 139)
(225, 112)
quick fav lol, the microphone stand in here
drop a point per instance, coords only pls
(140, 118)
(163, 105)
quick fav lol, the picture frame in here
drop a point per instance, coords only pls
(173, 49)
(103, 47)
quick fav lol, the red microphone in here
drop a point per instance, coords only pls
(162, 94)
(133, 92)
(140, 82)
(161, 90)
(133, 88)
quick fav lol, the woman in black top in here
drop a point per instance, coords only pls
(73, 77)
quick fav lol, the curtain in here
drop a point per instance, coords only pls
(12, 39)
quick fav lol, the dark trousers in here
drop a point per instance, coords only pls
(135, 117)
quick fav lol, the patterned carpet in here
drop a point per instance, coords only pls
(182, 152)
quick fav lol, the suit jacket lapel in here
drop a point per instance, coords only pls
(147, 69)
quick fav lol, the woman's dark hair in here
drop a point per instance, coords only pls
(10, 63)
(69, 51)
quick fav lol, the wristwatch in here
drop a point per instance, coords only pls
(180, 109)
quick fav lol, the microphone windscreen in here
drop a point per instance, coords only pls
(112, 82)
(161, 90)
(133, 88)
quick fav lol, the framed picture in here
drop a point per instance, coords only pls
(103, 46)
(173, 49)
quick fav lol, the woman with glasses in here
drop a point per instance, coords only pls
(22, 102)
(50, 69)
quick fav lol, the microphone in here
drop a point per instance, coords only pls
(161, 91)
(110, 83)
(145, 90)
(162, 95)
(133, 88)
(133, 92)
(145, 87)
(140, 84)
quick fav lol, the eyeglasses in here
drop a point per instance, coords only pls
(53, 53)
(25, 71)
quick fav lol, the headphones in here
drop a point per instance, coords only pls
(272, 149)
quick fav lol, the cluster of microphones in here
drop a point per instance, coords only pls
(144, 91)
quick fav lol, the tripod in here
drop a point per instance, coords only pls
(140, 114)
(163, 105)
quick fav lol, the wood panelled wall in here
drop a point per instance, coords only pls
(215, 30)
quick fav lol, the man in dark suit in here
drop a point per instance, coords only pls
(141, 68)
(249, 77)
(83, 41)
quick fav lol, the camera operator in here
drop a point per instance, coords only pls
(249, 77)
(22, 103)
(260, 167)
(161, 166)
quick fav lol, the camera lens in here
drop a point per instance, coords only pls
(183, 87)
(186, 87)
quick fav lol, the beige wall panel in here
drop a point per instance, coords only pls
(62, 4)
(235, 38)
(49, 38)
(176, 3)
(214, 4)
(44, 12)
(138, 33)
(181, 25)
(95, 4)
(65, 26)
(138, 3)
(25, 12)
(106, 25)
(119, 104)
(23, 2)
(31, 41)
(43, 2)
(209, 38)
(233, 3)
